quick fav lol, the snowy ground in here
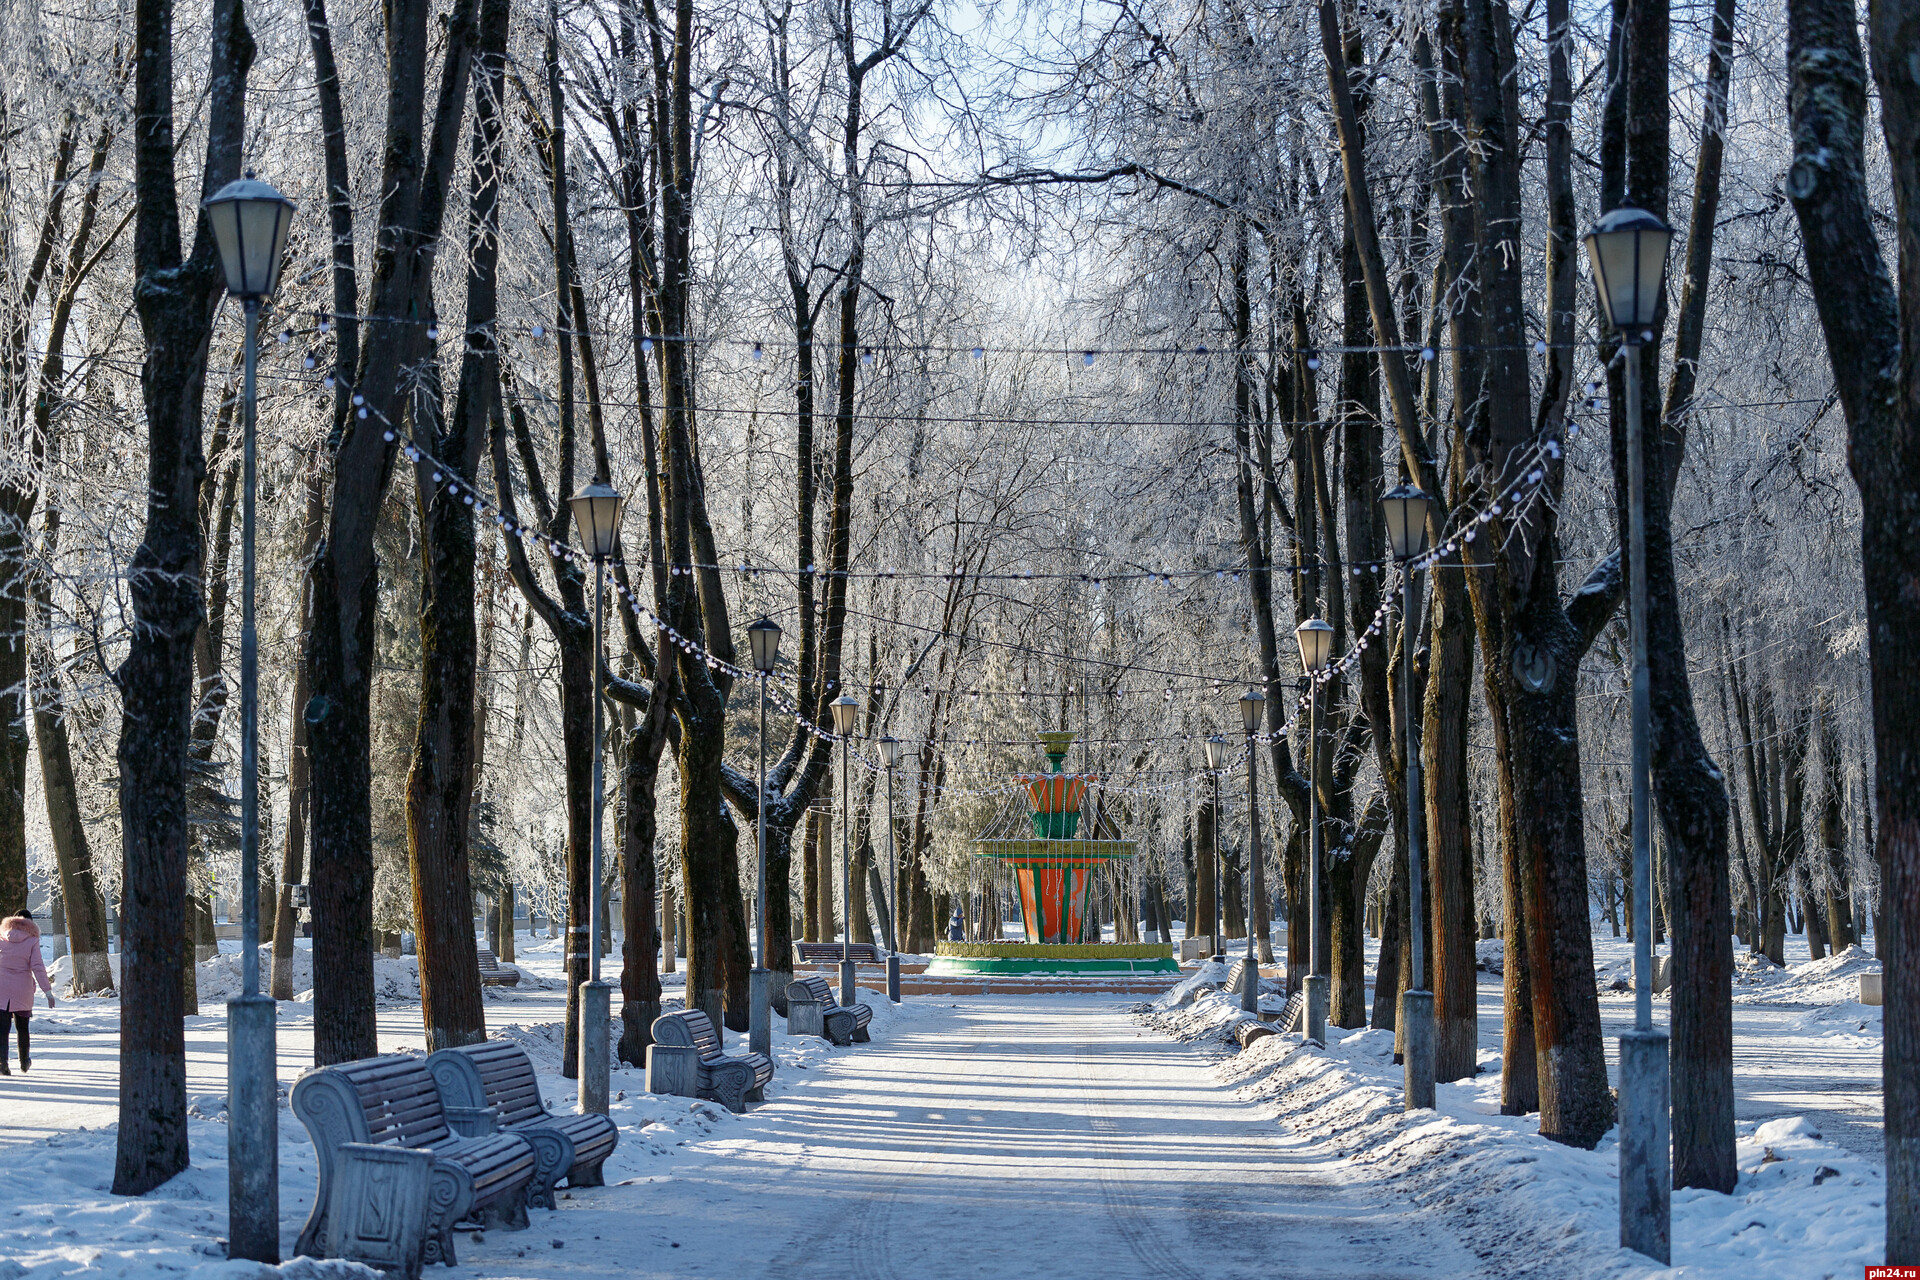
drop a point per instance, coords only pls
(1017, 1137)
(1013, 1137)
(1804, 1206)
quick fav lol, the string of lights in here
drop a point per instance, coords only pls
(1464, 527)
(1088, 354)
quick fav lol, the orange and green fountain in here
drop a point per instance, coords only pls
(1053, 868)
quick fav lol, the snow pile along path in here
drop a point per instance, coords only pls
(1833, 980)
(1803, 1208)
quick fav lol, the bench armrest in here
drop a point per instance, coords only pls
(473, 1122)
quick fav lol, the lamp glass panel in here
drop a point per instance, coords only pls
(1653, 271)
(1216, 746)
(890, 750)
(764, 638)
(1406, 512)
(224, 216)
(1316, 643)
(1252, 704)
(1612, 254)
(844, 709)
(261, 237)
(596, 516)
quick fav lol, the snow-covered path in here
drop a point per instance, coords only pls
(1044, 1137)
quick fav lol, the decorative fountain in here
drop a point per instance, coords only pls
(1053, 866)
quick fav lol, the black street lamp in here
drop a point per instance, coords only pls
(596, 516)
(1253, 705)
(845, 711)
(1216, 756)
(1406, 512)
(890, 755)
(763, 641)
(250, 222)
(1628, 250)
(1315, 638)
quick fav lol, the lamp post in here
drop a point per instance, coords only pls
(763, 639)
(596, 515)
(890, 754)
(845, 711)
(1253, 705)
(1216, 756)
(1628, 251)
(1406, 511)
(1315, 637)
(250, 221)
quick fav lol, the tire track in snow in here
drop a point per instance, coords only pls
(1132, 1223)
(859, 1232)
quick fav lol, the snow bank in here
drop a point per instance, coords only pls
(1211, 975)
(1834, 980)
(62, 1221)
(1803, 1208)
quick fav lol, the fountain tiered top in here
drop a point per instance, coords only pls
(1054, 805)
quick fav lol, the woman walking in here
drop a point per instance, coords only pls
(20, 967)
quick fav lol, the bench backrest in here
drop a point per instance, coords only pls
(811, 951)
(817, 989)
(488, 960)
(505, 1076)
(398, 1098)
(691, 1028)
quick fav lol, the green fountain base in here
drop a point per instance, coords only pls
(1003, 958)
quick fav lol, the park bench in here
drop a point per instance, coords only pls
(1237, 977)
(833, 952)
(1294, 1011)
(812, 1011)
(492, 1088)
(392, 1101)
(686, 1059)
(495, 974)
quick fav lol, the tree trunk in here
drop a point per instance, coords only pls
(1206, 910)
(176, 300)
(1347, 875)
(1449, 834)
(1388, 969)
(640, 896)
(1872, 340)
(440, 781)
(810, 880)
(1532, 649)
(299, 773)
(417, 169)
(19, 495)
(79, 892)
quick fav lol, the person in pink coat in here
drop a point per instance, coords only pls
(20, 967)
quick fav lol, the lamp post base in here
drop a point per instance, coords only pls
(893, 977)
(760, 1011)
(846, 983)
(1318, 988)
(253, 1132)
(1416, 1022)
(1646, 1172)
(596, 1002)
(1250, 988)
